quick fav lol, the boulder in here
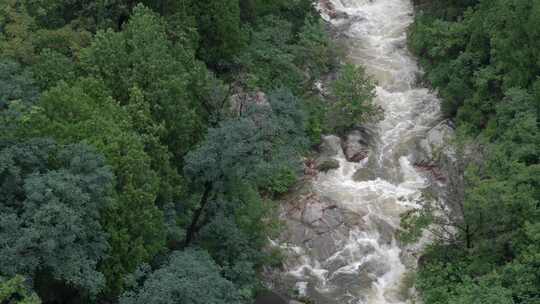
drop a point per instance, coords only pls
(326, 164)
(436, 145)
(386, 231)
(270, 298)
(356, 146)
(364, 174)
(330, 146)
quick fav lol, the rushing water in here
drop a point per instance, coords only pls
(367, 264)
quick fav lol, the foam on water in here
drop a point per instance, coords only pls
(377, 38)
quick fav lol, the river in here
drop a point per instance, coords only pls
(364, 262)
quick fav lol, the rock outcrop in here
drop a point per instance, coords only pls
(241, 101)
(329, 148)
(435, 153)
(356, 146)
(327, 165)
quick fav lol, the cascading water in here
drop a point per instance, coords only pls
(364, 263)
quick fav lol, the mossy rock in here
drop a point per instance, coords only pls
(327, 165)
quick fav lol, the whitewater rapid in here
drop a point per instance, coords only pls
(368, 266)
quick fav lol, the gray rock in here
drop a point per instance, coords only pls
(356, 146)
(326, 164)
(270, 298)
(323, 246)
(354, 219)
(436, 145)
(330, 146)
(374, 268)
(386, 231)
(353, 280)
(364, 174)
(340, 15)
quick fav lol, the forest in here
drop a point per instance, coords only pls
(483, 58)
(143, 143)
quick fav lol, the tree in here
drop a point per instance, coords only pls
(188, 277)
(250, 149)
(269, 58)
(236, 229)
(52, 67)
(292, 11)
(23, 36)
(171, 81)
(314, 51)
(51, 200)
(467, 49)
(15, 290)
(354, 92)
(222, 36)
(85, 112)
(16, 83)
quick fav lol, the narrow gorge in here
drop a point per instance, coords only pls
(340, 241)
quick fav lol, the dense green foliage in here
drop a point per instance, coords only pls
(128, 169)
(188, 277)
(16, 290)
(52, 198)
(483, 57)
(354, 92)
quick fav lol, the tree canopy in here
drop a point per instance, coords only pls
(51, 198)
(482, 57)
(126, 172)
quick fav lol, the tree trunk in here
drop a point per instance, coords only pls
(197, 215)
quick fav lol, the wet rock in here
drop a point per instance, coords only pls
(335, 263)
(270, 298)
(313, 212)
(316, 223)
(330, 146)
(374, 268)
(354, 280)
(435, 147)
(356, 147)
(386, 231)
(340, 15)
(328, 8)
(364, 174)
(354, 219)
(333, 216)
(326, 164)
(323, 246)
(310, 167)
(299, 234)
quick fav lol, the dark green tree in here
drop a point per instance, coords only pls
(51, 199)
(16, 290)
(188, 277)
(222, 36)
(166, 73)
(85, 112)
(252, 149)
(354, 92)
(16, 83)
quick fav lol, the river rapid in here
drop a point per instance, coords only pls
(360, 260)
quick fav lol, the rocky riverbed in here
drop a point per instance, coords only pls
(340, 238)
